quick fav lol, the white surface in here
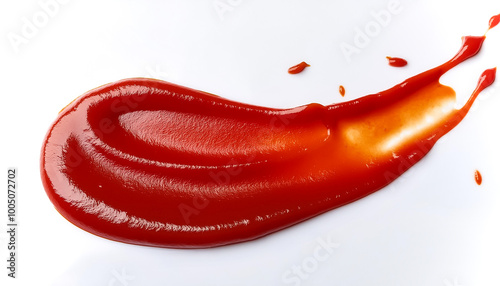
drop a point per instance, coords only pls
(433, 226)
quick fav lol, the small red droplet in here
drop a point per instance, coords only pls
(342, 90)
(397, 62)
(487, 78)
(494, 21)
(478, 177)
(298, 68)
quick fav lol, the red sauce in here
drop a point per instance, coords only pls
(397, 62)
(342, 90)
(298, 68)
(148, 162)
(478, 177)
(494, 21)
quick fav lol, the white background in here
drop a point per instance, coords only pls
(433, 226)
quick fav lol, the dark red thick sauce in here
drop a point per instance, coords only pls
(148, 162)
(397, 62)
(298, 68)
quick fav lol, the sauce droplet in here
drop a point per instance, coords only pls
(487, 78)
(342, 90)
(494, 21)
(298, 68)
(397, 62)
(478, 177)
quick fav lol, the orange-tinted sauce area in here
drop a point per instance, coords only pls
(149, 162)
(494, 21)
(298, 68)
(478, 177)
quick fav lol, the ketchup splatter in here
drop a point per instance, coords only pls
(342, 90)
(487, 78)
(148, 162)
(478, 177)
(397, 62)
(298, 68)
(494, 21)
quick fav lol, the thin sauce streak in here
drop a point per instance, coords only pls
(298, 68)
(397, 62)
(342, 90)
(478, 177)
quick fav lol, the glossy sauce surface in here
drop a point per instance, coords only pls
(148, 162)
